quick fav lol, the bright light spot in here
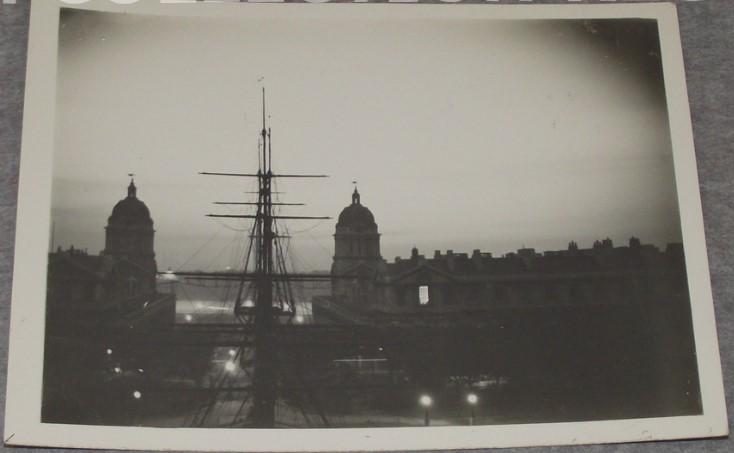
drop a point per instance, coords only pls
(188, 318)
(140, 370)
(299, 319)
(249, 303)
(472, 398)
(137, 395)
(426, 401)
(230, 366)
(145, 305)
(169, 276)
(423, 294)
(380, 349)
(232, 352)
(118, 370)
(109, 351)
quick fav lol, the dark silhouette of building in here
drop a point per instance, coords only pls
(93, 298)
(118, 281)
(574, 334)
(129, 233)
(356, 252)
(458, 282)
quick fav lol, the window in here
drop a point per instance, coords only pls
(423, 295)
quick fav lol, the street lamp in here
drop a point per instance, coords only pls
(426, 401)
(135, 409)
(472, 399)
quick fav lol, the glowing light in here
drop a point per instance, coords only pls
(423, 295)
(249, 303)
(140, 370)
(137, 395)
(426, 401)
(188, 318)
(169, 276)
(230, 366)
(232, 352)
(380, 349)
(118, 370)
(472, 399)
(298, 319)
(109, 351)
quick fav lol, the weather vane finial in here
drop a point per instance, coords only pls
(355, 194)
(131, 189)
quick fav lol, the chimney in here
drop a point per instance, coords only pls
(476, 257)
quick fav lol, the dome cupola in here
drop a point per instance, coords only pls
(356, 217)
(130, 211)
(356, 236)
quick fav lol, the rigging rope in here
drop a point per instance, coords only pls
(214, 236)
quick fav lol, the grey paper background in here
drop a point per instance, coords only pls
(707, 32)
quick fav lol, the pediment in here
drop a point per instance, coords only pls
(422, 273)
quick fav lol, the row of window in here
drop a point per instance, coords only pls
(426, 294)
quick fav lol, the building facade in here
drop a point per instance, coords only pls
(447, 282)
(121, 279)
(357, 253)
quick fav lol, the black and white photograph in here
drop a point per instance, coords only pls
(286, 222)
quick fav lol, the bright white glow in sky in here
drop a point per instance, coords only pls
(462, 135)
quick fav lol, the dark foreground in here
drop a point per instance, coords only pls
(524, 366)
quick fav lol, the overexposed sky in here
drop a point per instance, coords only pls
(462, 134)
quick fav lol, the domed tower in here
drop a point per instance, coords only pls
(356, 239)
(129, 232)
(356, 251)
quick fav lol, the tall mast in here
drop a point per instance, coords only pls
(269, 269)
(263, 414)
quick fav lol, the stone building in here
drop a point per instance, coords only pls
(356, 252)
(582, 333)
(459, 282)
(121, 279)
(94, 299)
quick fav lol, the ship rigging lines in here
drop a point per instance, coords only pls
(264, 300)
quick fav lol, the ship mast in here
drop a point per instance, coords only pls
(263, 383)
(269, 270)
